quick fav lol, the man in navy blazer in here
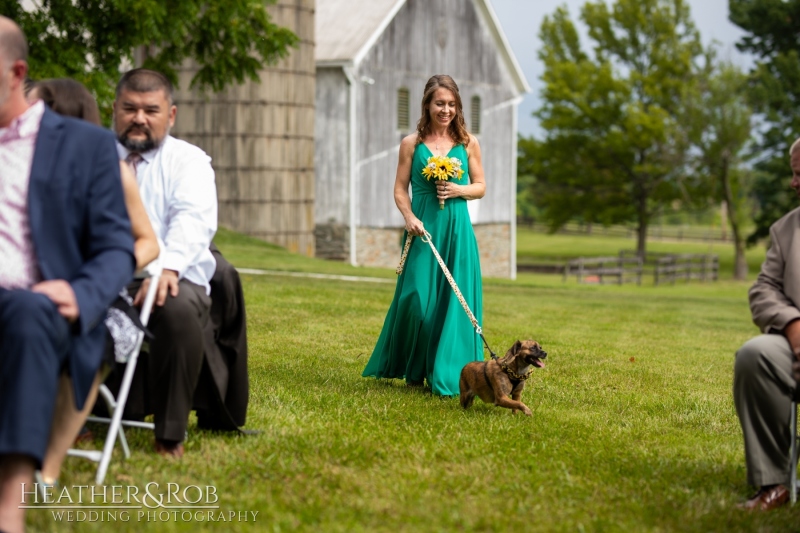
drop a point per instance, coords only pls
(67, 251)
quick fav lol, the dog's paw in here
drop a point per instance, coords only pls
(527, 412)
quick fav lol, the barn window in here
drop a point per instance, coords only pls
(402, 109)
(475, 114)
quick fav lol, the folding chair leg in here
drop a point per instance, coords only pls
(111, 404)
(116, 417)
(123, 442)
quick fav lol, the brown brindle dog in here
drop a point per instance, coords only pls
(493, 381)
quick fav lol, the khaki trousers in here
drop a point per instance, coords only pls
(763, 388)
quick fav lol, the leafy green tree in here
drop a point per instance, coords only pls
(614, 150)
(718, 120)
(88, 40)
(526, 208)
(773, 36)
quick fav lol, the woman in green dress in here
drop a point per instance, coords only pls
(427, 336)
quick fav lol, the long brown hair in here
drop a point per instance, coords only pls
(68, 97)
(457, 127)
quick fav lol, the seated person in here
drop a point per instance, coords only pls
(222, 392)
(766, 368)
(176, 182)
(70, 98)
(67, 250)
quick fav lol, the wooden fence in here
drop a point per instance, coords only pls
(628, 267)
(686, 267)
(669, 268)
(603, 270)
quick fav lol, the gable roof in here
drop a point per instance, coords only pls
(347, 29)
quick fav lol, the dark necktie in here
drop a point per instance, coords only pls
(133, 160)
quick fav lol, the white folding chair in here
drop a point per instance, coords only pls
(793, 483)
(116, 406)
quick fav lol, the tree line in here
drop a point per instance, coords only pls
(645, 117)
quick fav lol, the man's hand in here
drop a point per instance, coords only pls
(168, 282)
(792, 333)
(60, 293)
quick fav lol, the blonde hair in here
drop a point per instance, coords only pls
(457, 127)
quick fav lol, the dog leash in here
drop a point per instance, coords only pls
(428, 240)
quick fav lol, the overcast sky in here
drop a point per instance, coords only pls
(521, 20)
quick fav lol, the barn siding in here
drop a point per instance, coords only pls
(424, 38)
(449, 37)
(332, 162)
(332, 157)
(260, 136)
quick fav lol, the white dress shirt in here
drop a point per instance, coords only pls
(176, 183)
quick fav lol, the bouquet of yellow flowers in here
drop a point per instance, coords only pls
(441, 167)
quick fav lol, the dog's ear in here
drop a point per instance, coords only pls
(514, 350)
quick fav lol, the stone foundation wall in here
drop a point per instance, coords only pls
(381, 247)
(332, 241)
(494, 245)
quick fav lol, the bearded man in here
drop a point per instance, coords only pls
(176, 183)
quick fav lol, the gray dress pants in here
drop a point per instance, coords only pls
(763, 387)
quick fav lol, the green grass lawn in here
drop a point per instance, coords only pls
(633, 426)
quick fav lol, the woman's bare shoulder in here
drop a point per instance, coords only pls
(410, 140)
(474, 146)
(408, 143)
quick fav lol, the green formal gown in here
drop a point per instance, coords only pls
(426, 334)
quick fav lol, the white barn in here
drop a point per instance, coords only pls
(373, 58)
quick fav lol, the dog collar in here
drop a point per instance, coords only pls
(514, 375)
